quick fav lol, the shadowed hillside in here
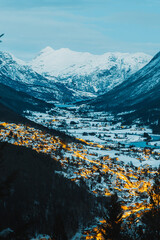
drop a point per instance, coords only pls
(38, 196)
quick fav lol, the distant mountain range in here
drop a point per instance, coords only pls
(94, 74)
(129, 82)
(139, 94)
(17, 75)
(67, 76)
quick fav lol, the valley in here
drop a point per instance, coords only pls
(107, 157)
(95, 123)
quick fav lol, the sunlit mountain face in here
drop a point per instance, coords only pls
(16, 74)
(68, 76)
(94, 74)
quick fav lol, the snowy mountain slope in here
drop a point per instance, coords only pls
(140, 92)
(87, 72)
(16, 74)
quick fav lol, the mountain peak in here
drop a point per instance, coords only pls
(46, 50)
(64, 50)
(10, 58)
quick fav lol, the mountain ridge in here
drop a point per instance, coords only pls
(83, 71)
(19, 76)
(139, 93)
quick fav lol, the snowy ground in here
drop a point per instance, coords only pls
(110, 157)
(98, 128)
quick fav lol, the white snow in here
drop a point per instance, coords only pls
(66, 62)
(83, 71)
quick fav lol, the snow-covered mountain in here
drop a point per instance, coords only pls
(67, 76)
(140, 93)
(86, 72)
(17, 75)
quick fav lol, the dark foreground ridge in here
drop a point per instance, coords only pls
(38, 199)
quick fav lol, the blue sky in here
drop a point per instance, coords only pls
(96, 26)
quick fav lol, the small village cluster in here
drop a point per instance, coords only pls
(105, 167)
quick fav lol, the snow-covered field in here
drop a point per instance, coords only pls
(98, 128)
(108, 157)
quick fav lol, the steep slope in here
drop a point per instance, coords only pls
(20, 101)
(38, 196)
(8, 115)
(86, 72)
(16, 74)
(140, 93)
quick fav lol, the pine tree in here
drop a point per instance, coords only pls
(5, 184)
(111, 229)
(59, 230)
(151, 219)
